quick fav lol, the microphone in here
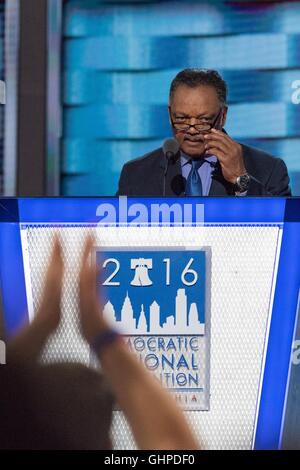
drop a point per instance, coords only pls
(170, 149)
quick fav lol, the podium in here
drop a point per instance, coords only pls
(250, 282)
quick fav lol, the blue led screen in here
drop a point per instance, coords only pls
(120, 57)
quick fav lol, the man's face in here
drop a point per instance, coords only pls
(199, 105)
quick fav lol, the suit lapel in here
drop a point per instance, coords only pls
(219, 186)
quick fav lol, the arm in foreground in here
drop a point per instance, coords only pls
(155, 419)
(27, 345)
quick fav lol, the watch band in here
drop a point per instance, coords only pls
(103, 340)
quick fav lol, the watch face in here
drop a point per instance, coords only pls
(243, 182)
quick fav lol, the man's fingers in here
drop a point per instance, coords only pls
(218, 141)
(218, 135)
(221, 134)
(209, 147)
(218, 153)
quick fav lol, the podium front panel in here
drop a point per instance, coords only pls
(245, 243)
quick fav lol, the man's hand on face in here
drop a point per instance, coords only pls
(228, 152)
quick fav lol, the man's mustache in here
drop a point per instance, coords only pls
(182, 137)
(198, 138)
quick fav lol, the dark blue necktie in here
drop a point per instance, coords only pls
(193, 182)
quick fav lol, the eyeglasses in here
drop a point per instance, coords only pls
(181, 124)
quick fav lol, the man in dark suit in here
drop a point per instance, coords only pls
(208, 162)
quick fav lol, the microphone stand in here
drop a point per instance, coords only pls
(169, 155)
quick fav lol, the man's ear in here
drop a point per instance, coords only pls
(224, 116)
(169, 112)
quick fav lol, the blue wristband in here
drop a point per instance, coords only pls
(104, 339)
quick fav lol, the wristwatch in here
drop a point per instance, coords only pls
(242, 183)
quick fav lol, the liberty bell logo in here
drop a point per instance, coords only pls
(141, 276)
